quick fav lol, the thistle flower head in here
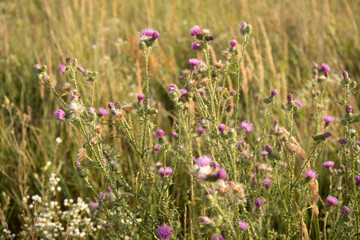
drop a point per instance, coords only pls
(164, 232)
(111, 105)
(345, 74)
(248, 127)
(233, 43)
(216, 237)
(222, 127)
(160, 133)
(172, 88)
(76, 109)
(221, 174)
(103, 112)
(215, 165)
(91, 110)
(174, 134)
(195, 46)
(59, 114)
(357, 179)
(258, 202)
(328, 119)
(194, 61)
(345, 210)
(166, 171)
(195, 30)
(80, 69)
(140, 97)
(298, 103)
(328, 164)
(267, 182)
(203, 161)
(311, 174)
(202, 130)
(62, 68)
(268, 148)
(274, 92)
(325, 68)
(264, 153)
(332, 200)
(243, 225)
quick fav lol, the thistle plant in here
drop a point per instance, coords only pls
(215, 175)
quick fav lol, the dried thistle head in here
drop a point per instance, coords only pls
(98, 128)
(81, 154)
(219, 65)
(205, 81)
(67, 87)
(127, 108)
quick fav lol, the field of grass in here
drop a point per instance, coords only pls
(103, 35)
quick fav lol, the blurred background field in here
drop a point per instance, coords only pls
(287, 37)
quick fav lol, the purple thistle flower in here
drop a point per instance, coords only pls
(202, 130)
(172, 88)
(290, 97)
(195, 46)
(298, 103)
(106, 225)
(251, 175)
(283, 164)
(77, 164)
(219, 89)
(327, 134)
(183, 92)
(243, 225)
(181, 147)
(345, 74)
(328, 164)
(233, 93)
(174, 134)
(328, 119)
(104, 160)
(264, 153)
(248, 127)
(147, 32)
(345, 210)
(140, 97)
(62, 68)
(194, 61)
(325, 68)
(37, 66)
(102, 196)
(59, 114)
(342, 141)
(164, 232)
(332, 200)
(217, 237)
(111, 105)
(233, 43)
(215, 165)
(103, 112)
(268, 148)
(109, 188)
(221, 127)
(242, 27)
(202, 121)
(267, 182)
(203, 161)
(195, 30)
(92, 204)
(274, 92)
(157, 147)
(81, 69)
(258, 202)
(221, 174)
(155, 35)
(348, 108)
(160, 133)
(91, 110)
(357, 179)
(167, 171)
(311, 174)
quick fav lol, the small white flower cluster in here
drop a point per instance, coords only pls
(48, 221)
(7, 234)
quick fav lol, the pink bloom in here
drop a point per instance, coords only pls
(233, 43)
(62, 68)
(103, 112)
(222, 127)
(248, 127)
(267, 182)
(92, 204)
(195, 30)
(311, 174)
(328, 164)
(328, 119)
(298, 103)
(160, 133)
(157, 147)
(59, 114)
(140, 97)
(243, 225)
(102, 196)
(325, 68)
(221, 174)
(81, 69)
(203, 161)
(194, 61)
(195, 46)
(202, 130)
(264, 153)
(168, 171)
(332, 200)
(147, 32)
